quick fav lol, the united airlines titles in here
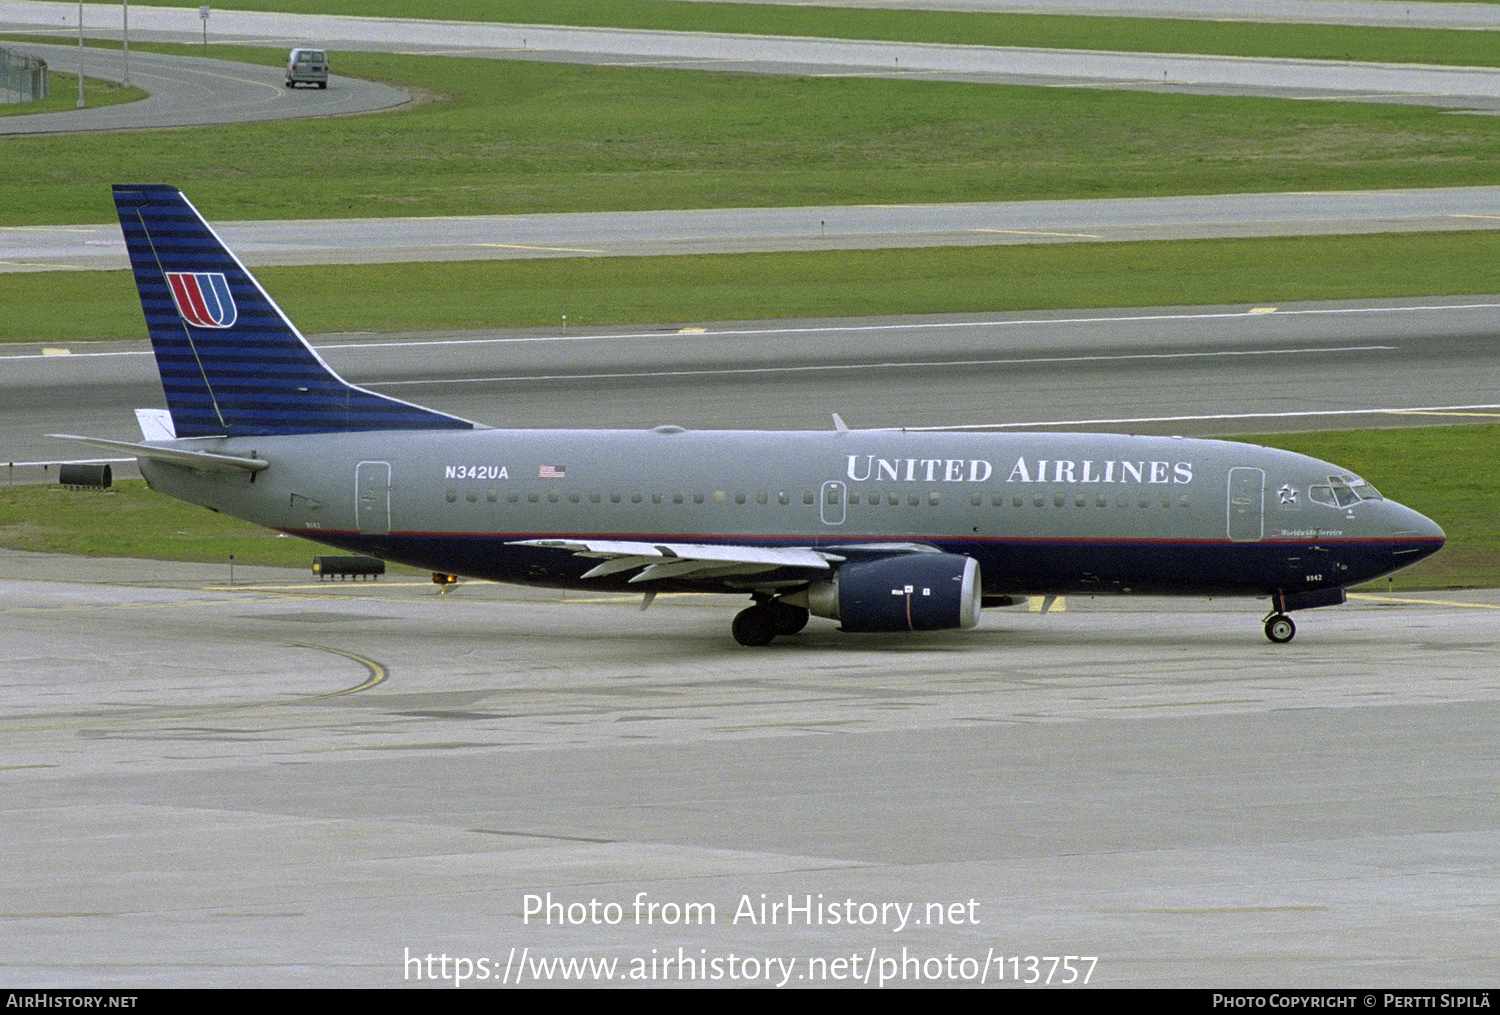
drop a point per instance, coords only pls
(870, 469)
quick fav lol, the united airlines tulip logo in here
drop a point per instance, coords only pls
(203, 298)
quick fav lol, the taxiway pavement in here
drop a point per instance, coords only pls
(1197, 371)
(740, 230)
(288, 783)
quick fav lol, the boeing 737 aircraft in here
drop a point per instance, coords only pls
(879, 530)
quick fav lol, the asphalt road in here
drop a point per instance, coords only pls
(194, 92)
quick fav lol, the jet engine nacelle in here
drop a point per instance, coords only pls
(912, 592)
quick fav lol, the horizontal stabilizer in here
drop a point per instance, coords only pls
(206, 461)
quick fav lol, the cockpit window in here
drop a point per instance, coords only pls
(1342, 491)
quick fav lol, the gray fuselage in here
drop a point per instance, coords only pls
(1044, 513)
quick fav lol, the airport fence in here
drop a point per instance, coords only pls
(23, 78)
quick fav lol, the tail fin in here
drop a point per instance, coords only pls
(230, 361)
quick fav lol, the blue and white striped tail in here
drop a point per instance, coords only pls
(230, 361)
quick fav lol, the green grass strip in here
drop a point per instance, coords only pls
(85, 306)
(1143, 35)
(62, 95)
(515, 137)
(1426, 468)
(131, 521)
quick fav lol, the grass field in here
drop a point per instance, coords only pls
(62, 95)
(1427, 468)
(516, 137)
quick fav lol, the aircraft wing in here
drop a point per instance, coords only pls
(686, 560)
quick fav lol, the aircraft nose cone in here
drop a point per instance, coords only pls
(1423, 527)
(1420, 533)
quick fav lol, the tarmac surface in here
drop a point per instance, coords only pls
(740, 230)
(280, 782)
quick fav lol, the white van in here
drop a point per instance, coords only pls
(308, 66)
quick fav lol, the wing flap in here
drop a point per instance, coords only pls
(686, 560)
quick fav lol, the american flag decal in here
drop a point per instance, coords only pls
(203, 298)
(551, 472)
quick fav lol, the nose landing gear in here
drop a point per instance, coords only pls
(1280, 629)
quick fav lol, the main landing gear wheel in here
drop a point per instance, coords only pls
(789, 619)
(755, 626)
(1280, 629)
